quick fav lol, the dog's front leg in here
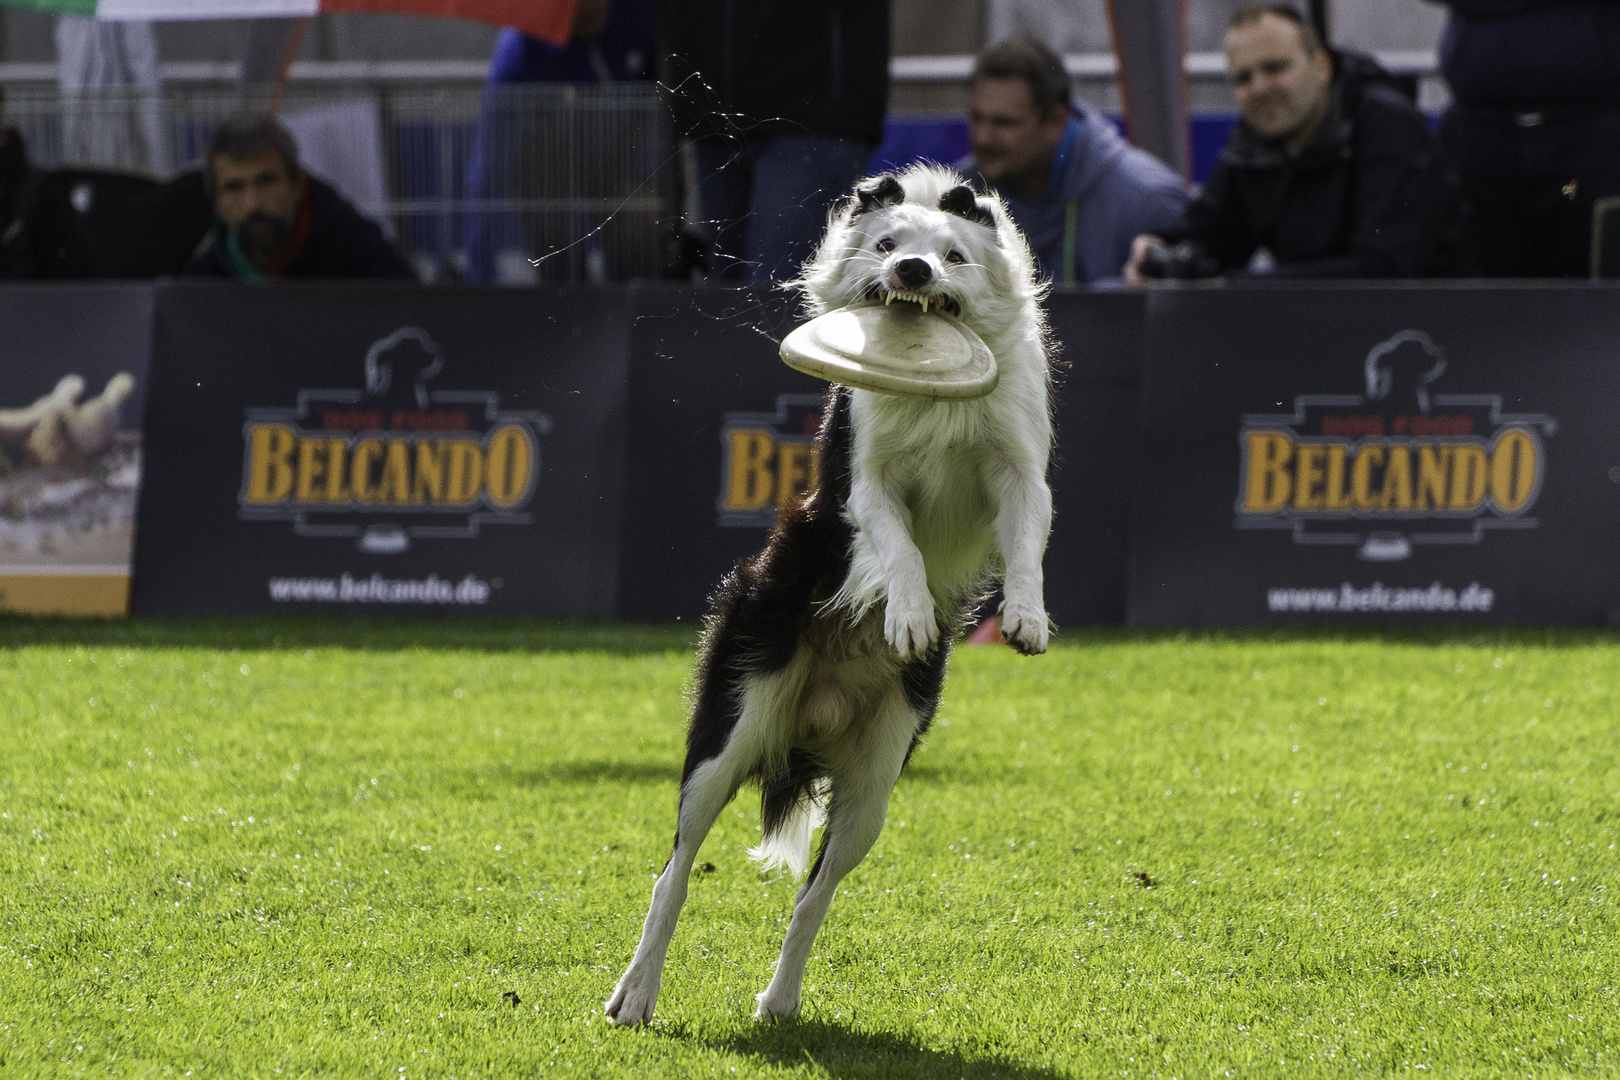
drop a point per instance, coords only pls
(1023, 522)
(909, 622)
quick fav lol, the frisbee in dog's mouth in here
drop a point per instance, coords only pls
(894, 350)
(942, 301)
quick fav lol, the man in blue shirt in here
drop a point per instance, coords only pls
(1079, 192)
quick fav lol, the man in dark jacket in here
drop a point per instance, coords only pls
(1331, 172)
(272, 220)
(41, 235)
(784, 101)
(1534, 130)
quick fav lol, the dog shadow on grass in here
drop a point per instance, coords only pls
(846, 1054)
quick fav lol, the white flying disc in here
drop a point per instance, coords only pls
(894, 349)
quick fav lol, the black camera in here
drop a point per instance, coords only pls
(1183, 262)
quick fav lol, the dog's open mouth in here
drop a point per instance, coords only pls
(942, 301)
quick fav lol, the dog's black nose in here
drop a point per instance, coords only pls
(913, 272)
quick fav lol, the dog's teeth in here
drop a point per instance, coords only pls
(923, 300)
(888, 298)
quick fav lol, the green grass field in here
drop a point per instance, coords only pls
(258, 849)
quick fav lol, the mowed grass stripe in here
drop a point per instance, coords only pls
(344, 849)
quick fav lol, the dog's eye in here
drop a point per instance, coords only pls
(886, 245)
(954, 256)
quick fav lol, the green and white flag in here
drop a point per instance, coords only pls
(550, 20)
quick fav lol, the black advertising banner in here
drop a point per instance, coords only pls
(1100, 336)
(721, 436)
(383, 450)
(73, 372)
(1379, 453)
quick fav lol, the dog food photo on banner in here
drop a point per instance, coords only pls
(69, 474)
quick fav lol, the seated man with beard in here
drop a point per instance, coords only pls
(273, 220)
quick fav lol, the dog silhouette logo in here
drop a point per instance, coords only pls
(408, 350)
(1402, 368)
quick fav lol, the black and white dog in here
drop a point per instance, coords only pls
(824, 655)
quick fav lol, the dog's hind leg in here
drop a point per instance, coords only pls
(861, 783)
(705, 794)
(708, 787)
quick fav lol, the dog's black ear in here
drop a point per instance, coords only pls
(878, 192)
(961, 202)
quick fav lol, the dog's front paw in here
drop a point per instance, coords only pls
(633, 999)
(1025, 626)
(776, 1008)
(909, 624)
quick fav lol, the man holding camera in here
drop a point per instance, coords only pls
(1331, 172)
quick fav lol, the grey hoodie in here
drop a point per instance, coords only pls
(1102, 194)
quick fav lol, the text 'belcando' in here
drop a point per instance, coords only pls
(288, 466)
(1286, 475)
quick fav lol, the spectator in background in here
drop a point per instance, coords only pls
(1079, 192)
(784, 103)
(613, 41)
(1535, 128)
(1331, 171)
(41, 235)
(273, 220)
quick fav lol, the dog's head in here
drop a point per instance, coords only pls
(922, 237)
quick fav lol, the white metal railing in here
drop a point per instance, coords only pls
(229, 71)
(906, 69)
(1101, 65)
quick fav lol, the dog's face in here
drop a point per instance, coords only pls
(931, 247)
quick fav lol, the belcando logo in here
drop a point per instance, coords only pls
(1395, 466)
(768, 460)
(394, 460)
